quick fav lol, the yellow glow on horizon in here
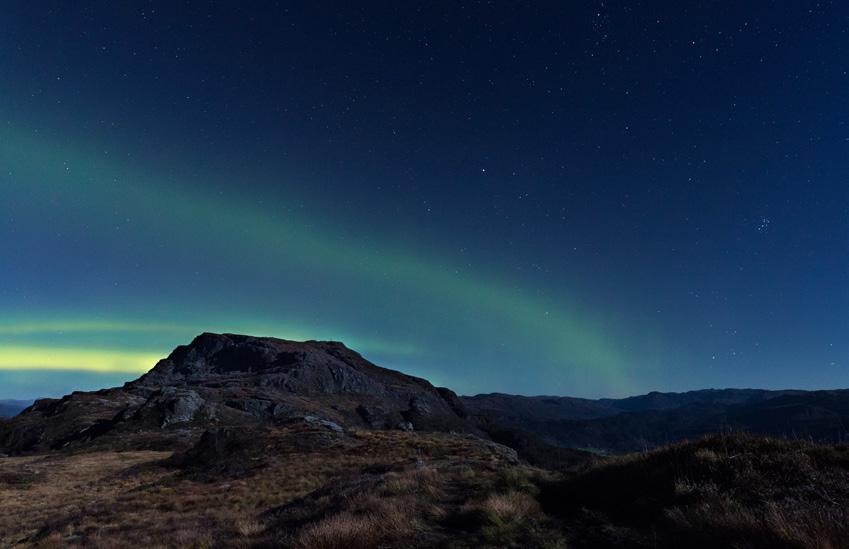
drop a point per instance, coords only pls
(90, 360)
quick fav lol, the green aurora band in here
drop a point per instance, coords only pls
(181, 218)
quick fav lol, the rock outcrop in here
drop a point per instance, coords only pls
(227, 380)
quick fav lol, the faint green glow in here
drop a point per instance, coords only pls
(181, 333)
(561, 334)
(30, 328)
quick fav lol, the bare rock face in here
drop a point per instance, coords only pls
(375, 417)
(240, 452)
(231, 381)
(173, 406)
(453, 401)
(306, 368)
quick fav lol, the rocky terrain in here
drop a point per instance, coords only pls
(238, 441)
(237, 381)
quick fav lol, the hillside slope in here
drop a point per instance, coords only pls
(721, 491)
(233, 380)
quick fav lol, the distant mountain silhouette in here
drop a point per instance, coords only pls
(9, 408)
(227, 380)
(652, 420)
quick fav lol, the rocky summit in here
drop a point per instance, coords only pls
(228, 380)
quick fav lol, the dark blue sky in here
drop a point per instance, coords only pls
(594, 198)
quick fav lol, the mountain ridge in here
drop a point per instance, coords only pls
(232, 380)
(656, 419)
(12, 407)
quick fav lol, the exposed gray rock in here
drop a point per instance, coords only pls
(254, 407)
(180, 406)
(313, 420)
(504, 452)
(281, 409)
(420, 407)
(373, 416)
(227, 380)
(453, 401)
(172, 406)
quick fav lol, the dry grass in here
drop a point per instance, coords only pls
(376, 522)
(508, 511)
(129, 499)
(342, 531)
(390, 512)
(723, 491)
(404, 490)
(509, 508)
(69, 492)
(784, 524)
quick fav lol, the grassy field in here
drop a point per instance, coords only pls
(406, 485)
(304, 487)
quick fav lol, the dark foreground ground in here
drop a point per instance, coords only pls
(310, 486)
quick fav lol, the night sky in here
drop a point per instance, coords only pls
(577, 198)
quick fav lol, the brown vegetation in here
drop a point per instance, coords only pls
(722, 491)
(405, 482)
(394, 489)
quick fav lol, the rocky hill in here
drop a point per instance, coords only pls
(227, 380)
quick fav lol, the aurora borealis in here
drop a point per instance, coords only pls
(248, 235)
(509, 197)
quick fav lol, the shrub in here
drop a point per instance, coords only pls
(516, 480)
(341, 531)
(506, 516)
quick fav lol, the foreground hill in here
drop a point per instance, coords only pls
(306, 486)
(721, 491)
(300, 485)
